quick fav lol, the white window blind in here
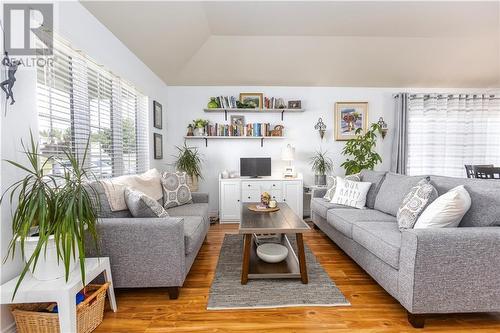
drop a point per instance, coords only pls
(445, 132)
(78, 100)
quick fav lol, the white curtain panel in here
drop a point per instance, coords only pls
(445, 132)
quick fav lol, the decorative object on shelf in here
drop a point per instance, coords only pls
(158, 146)
(238, 120)
(265, 197)
(47, 235)
(224, 174)
(272, 204)
(321, 127)
(294, 104)
(262, 209)
(190, 130)
(288, 154)
(321, 164)
(280, 104)
(383, 127)
(8, 84)
(361, 151)
(252, 100)
(199, 127)
(349, 117)
(189, 160)
(272, 253)
(213, 104)
(157, 115)
(278, 130)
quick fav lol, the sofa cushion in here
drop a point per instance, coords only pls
(415, 202)
(383, 239)
(194, 232)
(195, 209)
(392, 191)
(351, 193)
(141, 205)
(376, 178)
(485, 199)
(343, 219)
(332, 185)
(175, 189)
(321, 206)
(101, 203)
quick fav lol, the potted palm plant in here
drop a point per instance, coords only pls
(188, 160)
(321, 164)
(53, 214)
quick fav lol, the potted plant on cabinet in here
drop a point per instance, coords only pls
(199, 126)
(361, 151)
(188, 160)
(321, 164)
(53, 214)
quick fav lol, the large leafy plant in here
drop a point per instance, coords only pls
(321, 164)
(51, 205)
(188, 160)
(360, 151)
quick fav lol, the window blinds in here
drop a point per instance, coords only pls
(79, 100)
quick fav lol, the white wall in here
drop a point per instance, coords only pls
(77, 25)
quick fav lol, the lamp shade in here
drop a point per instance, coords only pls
(288, 153)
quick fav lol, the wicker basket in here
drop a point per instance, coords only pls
(89, 314)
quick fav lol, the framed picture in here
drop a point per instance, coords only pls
(349, 116)
(158, 146)
(238, 120)
(157, 115)
(294, 104)
(254, 100)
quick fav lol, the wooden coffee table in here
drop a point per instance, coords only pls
(283, 222)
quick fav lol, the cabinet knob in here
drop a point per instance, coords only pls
(284, 199)
(238, 200)
(248, 197)
(274, 197)
(274, 184)
(248, 185)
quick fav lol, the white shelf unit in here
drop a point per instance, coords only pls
(208, 137)
(241, 110)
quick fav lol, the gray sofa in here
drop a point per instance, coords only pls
(151, 252)
(447, 270)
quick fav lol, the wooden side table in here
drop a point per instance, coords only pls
(35, 291)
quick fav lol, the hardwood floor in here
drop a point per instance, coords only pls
(372, 310)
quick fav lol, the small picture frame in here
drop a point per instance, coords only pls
(295, 104)
(157, 115)
(255, 100)
(238, 120)
(349, 116)
(158, 146)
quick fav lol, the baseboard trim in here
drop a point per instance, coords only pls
(10, 329)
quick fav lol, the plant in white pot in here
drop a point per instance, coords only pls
(188, 160)
(52, 215)
(199, 126)
(321, 164)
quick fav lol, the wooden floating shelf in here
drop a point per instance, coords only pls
(241, 110)
(261, 138)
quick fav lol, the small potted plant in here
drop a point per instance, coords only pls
(321, 164)
(199, 126)
(188, 160)
(52, 215)
(361, 151)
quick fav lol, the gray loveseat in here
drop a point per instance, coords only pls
(151, 252)
(447, 270)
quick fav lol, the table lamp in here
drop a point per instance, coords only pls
(288, 154)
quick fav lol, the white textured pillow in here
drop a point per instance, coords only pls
(446, 211)
(351, 193)
(332, 185)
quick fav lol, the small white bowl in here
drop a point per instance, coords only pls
(272, 252)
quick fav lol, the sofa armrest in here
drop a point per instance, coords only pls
(450, 270)
(144, 252)
(318, 192)
(199, 197)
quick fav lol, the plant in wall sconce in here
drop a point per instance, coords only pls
(321, 127)
(383, 127)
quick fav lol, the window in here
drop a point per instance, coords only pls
(78, 100)
(445, 132)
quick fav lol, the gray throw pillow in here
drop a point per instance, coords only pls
(140, 205)
(175, 189)
(415, 202)
(332, 185)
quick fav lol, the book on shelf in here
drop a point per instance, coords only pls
(251, 129)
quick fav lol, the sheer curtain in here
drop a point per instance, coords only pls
(445, 132)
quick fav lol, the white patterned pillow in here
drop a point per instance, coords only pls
(332, 184)
(175, 189)
(351, 193)
(415, 202)
(141, 205)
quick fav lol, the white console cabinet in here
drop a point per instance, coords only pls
(234, 191)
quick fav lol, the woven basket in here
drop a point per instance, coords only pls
(89, 314)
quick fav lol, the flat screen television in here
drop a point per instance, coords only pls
(255, 167)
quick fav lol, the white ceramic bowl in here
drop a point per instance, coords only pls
(272, 252)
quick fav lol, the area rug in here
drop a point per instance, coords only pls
(227, 292)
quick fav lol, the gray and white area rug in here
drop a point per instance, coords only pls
(227, 292)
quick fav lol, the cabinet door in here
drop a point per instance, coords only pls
(292, 195)
(230, 201)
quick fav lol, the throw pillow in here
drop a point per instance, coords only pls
(351, 193)
(175, 189)
(415, 202)
(141, 205)
(332, 185)
(446, 211)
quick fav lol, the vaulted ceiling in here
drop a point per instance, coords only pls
(309, 43)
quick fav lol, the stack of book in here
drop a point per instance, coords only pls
(227, 102)
(253, 129)
(270, 102)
